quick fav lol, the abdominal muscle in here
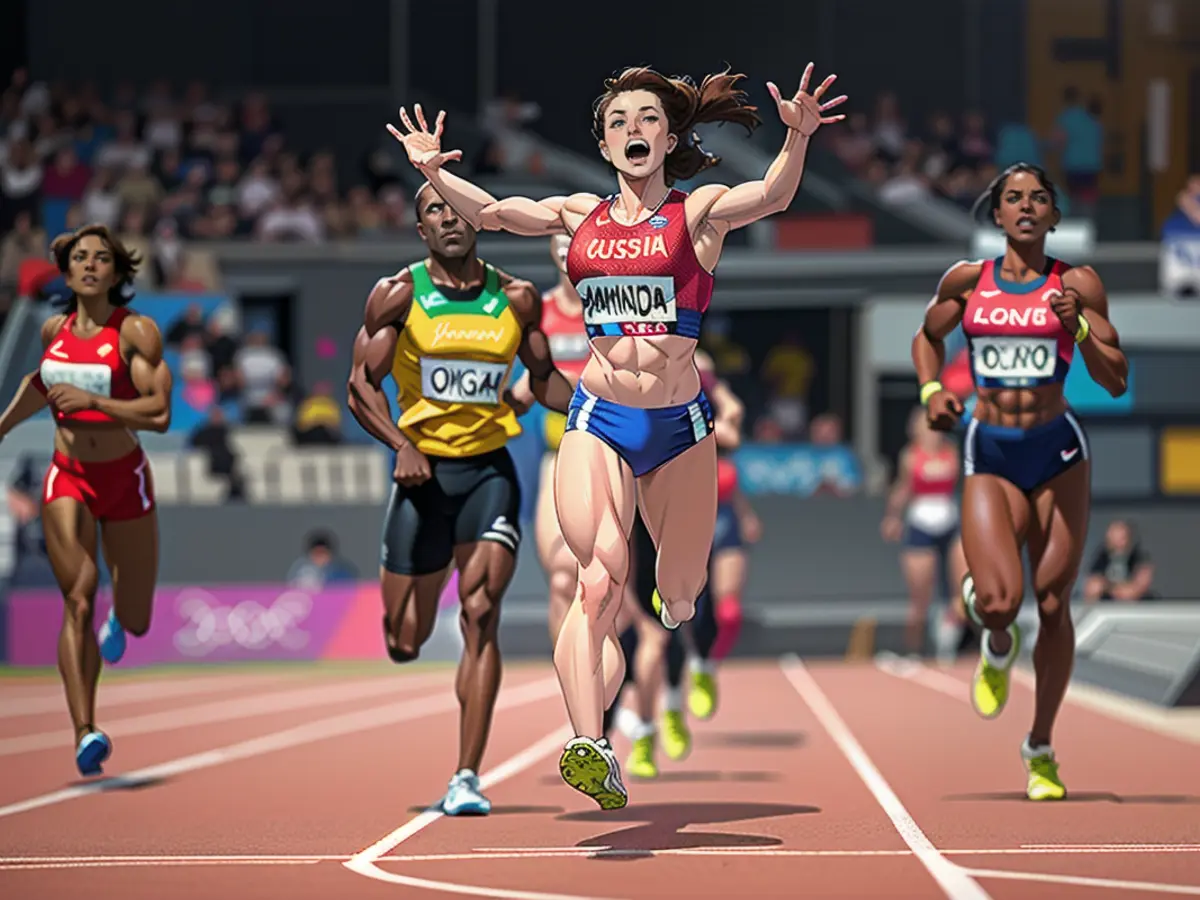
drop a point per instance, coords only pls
(1020, 408)
(643, 372)
(94, 442)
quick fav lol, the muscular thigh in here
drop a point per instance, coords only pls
(417, 530)
(131, 551)
(71, 533)
(1058, 528)
(678, 501)
(995, 520)
(594, 496)
(488, 503)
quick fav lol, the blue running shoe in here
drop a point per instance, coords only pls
(94, 748)
(112, 639)
(463, 797)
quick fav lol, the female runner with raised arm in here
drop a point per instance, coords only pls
(642, 262)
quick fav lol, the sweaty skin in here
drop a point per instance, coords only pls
(998, 518)
(594, 490)
(485, 567)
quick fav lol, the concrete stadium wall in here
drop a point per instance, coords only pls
(818, 550)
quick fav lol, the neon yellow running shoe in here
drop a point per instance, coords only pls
(660, 610)
(1042, 768)
(702, 699)
(590, 766)
(676, 737)
(993, 677)
(640, 763)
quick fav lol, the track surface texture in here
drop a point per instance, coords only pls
(813, 779)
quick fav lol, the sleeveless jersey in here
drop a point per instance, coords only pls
(92, 364)
(567, 337)
(933, 473)
(452, 365)
(568, 341)
(639, 280)
(1015, 339)
(933, 507)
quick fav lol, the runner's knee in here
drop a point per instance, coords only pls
(1053, 608)
(562, 581)
(480, 612)
(79, 609)
(137, 621)
(997, 602)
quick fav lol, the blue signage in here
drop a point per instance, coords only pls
(798, 470)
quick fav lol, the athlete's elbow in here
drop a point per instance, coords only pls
(160, 422)
(1117, 387)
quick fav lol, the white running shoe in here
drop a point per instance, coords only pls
(463, 797)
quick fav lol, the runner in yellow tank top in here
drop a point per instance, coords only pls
(447, 330)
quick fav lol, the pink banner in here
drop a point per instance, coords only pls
(226, 623)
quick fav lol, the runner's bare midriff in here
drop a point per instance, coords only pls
(1021, 408)
(94, 442)
(643, 372)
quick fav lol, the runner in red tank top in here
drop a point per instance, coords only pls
(103, 376)
(640, 426)
(1025, 455)
(562, 323)
(923, 511)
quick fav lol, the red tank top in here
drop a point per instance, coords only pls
(727, 479)
(566, 335)
(933, 473)
(1016, 340)
(639, 280)
(91, 364)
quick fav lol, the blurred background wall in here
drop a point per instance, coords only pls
(241, 147)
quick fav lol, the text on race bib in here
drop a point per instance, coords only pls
(638, 303)
(95, 378)
(1015, 358)
(462, 380)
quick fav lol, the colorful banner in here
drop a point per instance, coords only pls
(227, 623)
(800, 470)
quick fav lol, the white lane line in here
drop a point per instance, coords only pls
(365, 861)
(122, 694)
(486, 853)
(308, 733)
(954, 881)
(231, 709)
(1150, 887)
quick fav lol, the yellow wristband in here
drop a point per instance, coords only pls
(928, 390)
(1083, 330)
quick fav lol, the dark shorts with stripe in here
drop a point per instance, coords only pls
(468, 499)
(1025, 457)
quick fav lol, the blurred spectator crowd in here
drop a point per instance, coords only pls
(159, 167)
(956, 160)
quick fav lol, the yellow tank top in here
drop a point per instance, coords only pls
(452, 365)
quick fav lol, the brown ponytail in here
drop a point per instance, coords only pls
(718, 99)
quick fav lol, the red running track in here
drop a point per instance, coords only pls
(822, 780)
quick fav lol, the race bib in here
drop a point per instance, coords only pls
(568, 347)
(95, 378)
(1016, 359)
(628, 304)
(462, 380)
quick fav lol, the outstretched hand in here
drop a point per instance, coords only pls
(423, 146)
(805, 112)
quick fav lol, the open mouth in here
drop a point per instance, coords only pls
(90, 279)
(637, 151)
(1026, 223)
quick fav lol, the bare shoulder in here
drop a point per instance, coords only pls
(1083, 279)
(142, 334)
(960, 279)
(389, 300)
(576, 208)
(702, 198)
(582, 204)
(51, 327)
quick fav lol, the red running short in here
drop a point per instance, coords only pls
(114, 490)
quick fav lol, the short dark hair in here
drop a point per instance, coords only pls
(320, 539)
(990, 198)
(125, 261)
